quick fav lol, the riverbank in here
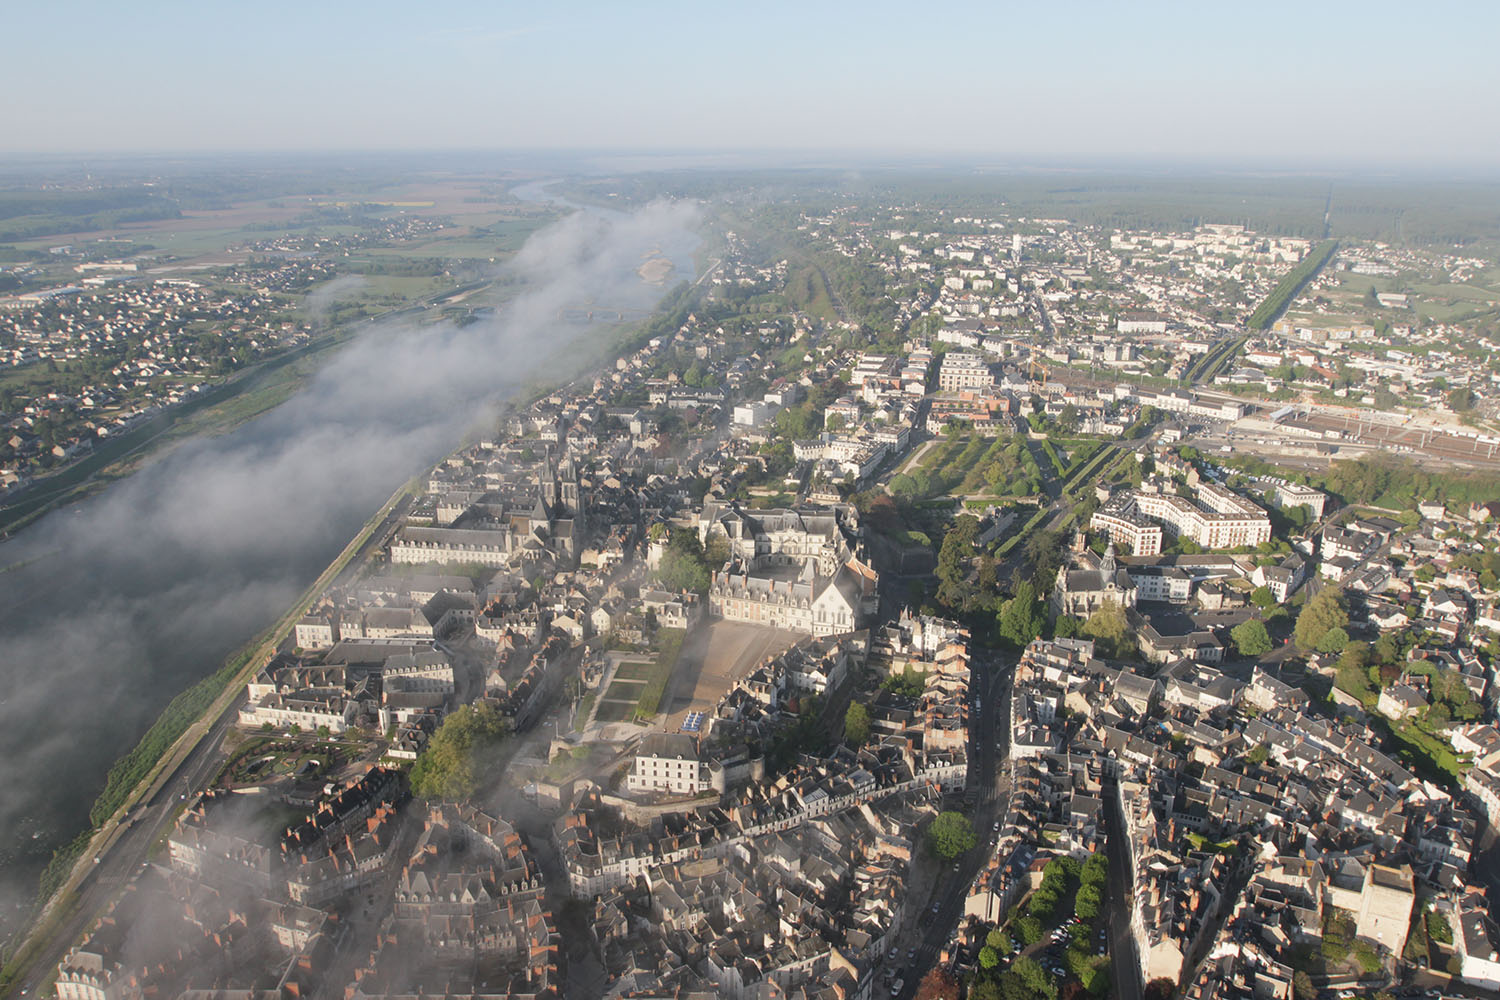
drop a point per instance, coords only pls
(87, 855)
(217, 410)
(196, 543)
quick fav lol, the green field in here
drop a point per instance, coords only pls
(498, 237)
(392, 289)
(634, 670)
(624, 689)
(615, 711)
(1431, 298)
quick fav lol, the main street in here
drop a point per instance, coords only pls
(1124, 965)
(989, 781)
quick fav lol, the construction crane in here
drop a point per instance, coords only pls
(1036, 366)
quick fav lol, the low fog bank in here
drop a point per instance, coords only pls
(111, 607)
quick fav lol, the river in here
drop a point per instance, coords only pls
(111, 606)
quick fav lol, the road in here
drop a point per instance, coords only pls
(130, 851)
(989, 778)
(362, 922)
(375, 543)
(1041, 310)
(130, 846)
(1124, 964)
(582, 965)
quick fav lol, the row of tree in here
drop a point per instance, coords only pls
(1281, 296)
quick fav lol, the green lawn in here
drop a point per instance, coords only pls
(585, 706)
(669, 646)
(615, 711)
(634, 670)
(624, 689)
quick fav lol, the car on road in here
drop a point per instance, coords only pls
(897, 987)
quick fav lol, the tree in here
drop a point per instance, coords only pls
(984, 989)
(1302, 986)
(938, 984)
(1095, 871)
(909, 684)
(1461, 400)
(1109, 627)
(796, 423)
(1035, 980)
(1000, 941)
(716, 551)
(856, 725)
(950, 835)
(1258, 754)
(1354, 656)
(1086, 904)
(1334, 640)
(458, 753)
(684, 565)
(1262, 597)
(1324, 612)
(988, 958)
(1251, 638)
(1022, 618)
(1043, 551)
(1160, 989)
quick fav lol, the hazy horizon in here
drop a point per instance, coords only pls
(1334, 85)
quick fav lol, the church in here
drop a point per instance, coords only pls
(1087, 581)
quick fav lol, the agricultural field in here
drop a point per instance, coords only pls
(1345, 298)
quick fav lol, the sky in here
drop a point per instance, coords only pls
(1367, 82)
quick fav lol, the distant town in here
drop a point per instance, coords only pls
(919, 605)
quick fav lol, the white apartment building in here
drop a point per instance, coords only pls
(669, 763)
(961, 370)
(1118, 520)
(1220, 519)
